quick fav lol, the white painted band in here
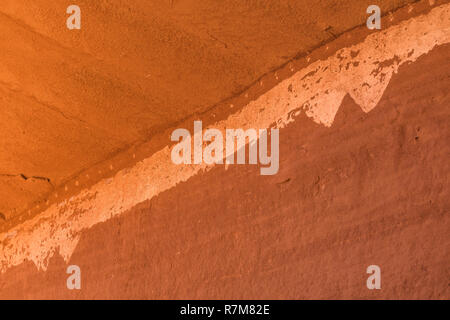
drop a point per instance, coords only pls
(363, 71)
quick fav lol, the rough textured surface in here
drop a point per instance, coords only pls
(70, 99)
(364, 189)
(363, 71)
(374, 192)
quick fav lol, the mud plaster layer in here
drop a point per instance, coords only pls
(363, 71)
(135, 65)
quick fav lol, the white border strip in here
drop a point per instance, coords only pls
(363, 71)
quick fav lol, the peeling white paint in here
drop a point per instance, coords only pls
(363, 71)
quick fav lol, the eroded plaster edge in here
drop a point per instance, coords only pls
(363, 70)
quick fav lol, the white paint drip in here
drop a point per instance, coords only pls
(363, 71)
